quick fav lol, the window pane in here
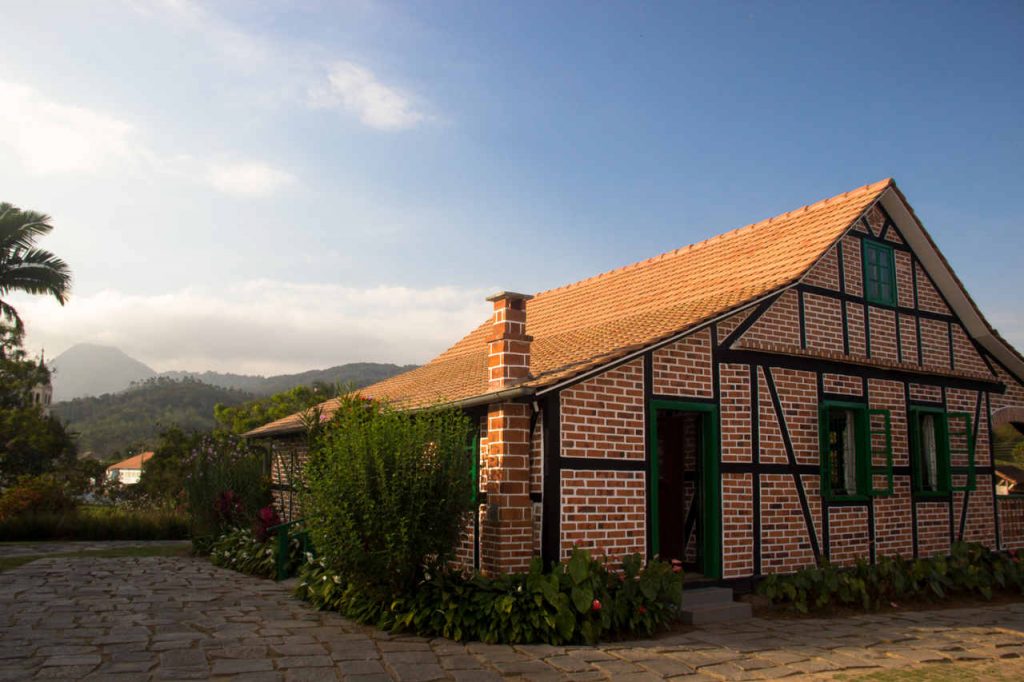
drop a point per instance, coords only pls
(929, 453)
(842, 452)
(850, 459)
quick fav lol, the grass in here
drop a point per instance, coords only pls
(96, 523)
(7, 563)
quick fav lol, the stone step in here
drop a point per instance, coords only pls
(706, 596)
(716, 613)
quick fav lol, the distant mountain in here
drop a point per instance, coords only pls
(356, 373)
(88, 369)
(114, 422)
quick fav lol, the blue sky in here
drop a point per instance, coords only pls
(274, 186)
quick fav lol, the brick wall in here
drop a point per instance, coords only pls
(779, 324)
(882, 322)
(855, 329)
(908, 338)
(734, 412)
(737, 526)
(683, 368)
(798, 395)
(604, 416)
(875, 220)
(604, 512)
(773, 450)
(928, 297)
(1011, 522)
(852, 269)
(932, 528)
(826, 272)
(893, 536)
(823, 320)
(729, 324)
(843, 384)
(966, 356)
(506, 537)
(935, 343)
(785, 545)
(904, 279)
(848, 534)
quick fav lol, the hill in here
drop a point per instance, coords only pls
(114, 422)
(89, 369)
(356, 373)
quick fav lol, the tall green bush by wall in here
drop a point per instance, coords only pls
(388, 493)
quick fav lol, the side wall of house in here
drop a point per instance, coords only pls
(767, 370)
(823, 341)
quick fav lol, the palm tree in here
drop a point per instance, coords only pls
(23, 267)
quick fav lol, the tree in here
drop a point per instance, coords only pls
(31, 442)
(23, 266)
(247, 416)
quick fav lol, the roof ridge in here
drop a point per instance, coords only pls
(718, 237)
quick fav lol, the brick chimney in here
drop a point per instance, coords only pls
(508, 346)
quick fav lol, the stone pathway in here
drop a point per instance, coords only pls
(20, 549)
(158, 618)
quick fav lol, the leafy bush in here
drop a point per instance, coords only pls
(33, 495)
(240, 550)
(387, 494)
(95, 524)
(578, 601)
(227, 484)
(970, 569)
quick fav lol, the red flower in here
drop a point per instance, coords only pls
(596, 605)
(641, 609)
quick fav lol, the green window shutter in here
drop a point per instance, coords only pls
(879, 273)
(879, 448)
(960, 439)
(823, 448)
(917, 470)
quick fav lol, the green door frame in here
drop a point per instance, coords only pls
(711, 514)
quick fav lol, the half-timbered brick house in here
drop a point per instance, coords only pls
(817, 385)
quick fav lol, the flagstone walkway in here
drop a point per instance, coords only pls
(158, 618)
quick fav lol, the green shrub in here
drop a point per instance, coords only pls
(226, 486)
(95, 524)
(240, 550)
(969, 569)
(35, 494)
(388, 493)
(578, 601)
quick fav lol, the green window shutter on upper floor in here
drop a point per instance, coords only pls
(879, 273)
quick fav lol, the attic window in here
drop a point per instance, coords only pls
(879, 274)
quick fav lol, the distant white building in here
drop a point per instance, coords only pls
(128, 471)
(42, 394)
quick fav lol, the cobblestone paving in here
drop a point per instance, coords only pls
(20, 549)
(158, 618)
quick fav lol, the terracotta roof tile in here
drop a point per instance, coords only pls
(133, 462)
(593, 321)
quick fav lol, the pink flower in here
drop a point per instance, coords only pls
(596, 605)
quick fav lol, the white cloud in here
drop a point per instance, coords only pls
(247, 178)
(50, 137)
(355, 89)
(261, 326)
